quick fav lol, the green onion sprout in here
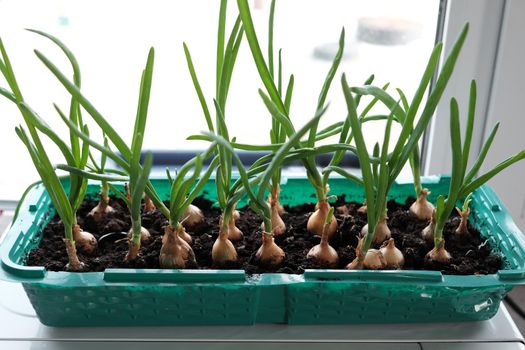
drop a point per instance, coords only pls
(462, 183)
(102, 209)
(279, 109)
(223, 250)
(269, 253)
(323, 252)
(65, 202)
(176, 251)
(464, 213)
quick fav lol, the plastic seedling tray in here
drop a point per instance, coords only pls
(127, 297)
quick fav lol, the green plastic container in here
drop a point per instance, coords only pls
(118, 297)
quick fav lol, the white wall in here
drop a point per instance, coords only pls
(493, 55)
(506, 105)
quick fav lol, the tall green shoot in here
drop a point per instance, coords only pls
(278, 107)
(66, 202)
(463, 183)
(223, 249)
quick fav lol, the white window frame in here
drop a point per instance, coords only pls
(476, 61)
(493, 55)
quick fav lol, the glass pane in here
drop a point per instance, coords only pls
(392, 40)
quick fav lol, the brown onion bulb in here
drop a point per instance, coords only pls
(192, 216)
(428, 232)
(175, 252)
(374, 260)
(357, 263)
(149, 206)
(134, 249)
(278, 224)
(463, 224)
(439, 254)
(316, 221)
(325, 254)
(223, 250)
(393, 257)
(84, 240)
(422, 208)
(381, 233)
(102, 209)
(144, 234)
(269, 253)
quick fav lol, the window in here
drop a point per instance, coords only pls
(393, 40)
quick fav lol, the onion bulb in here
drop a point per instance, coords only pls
(133, 250)
(185, 236)
(102, 209)
(381, 233)
(373, 259)
(276, 210)
(223, 249)
(393, 256)
(278, 224)
(273, 197)
(439, 254)
(463, 224)
(422, 208)
(84, 241)
(269, 253)
(323, 252)
(192, 216)
(428, 232)
(236, 215)
(144, 234)
(148, 204)
(234, 233)
(316, 221)
(175, 252)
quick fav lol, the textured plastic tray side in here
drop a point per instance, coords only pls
(177, 297)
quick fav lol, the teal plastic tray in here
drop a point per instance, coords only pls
(120, 297)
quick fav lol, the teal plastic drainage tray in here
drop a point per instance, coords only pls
(118, 297)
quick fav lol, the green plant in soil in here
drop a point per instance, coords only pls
(464, 213)
(103, 208)
(277, 134)
(223, 248)
(138, 175)
(378, 180)
(462, 183)
(323, 252)
(176, 252)
(282, 127)
(76, 153)
(375, 180)
(269, 253)
(421, 208)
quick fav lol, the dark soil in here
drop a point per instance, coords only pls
(470, 255)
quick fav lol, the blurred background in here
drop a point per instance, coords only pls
(391, 39)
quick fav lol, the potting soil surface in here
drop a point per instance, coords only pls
(471, 254)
